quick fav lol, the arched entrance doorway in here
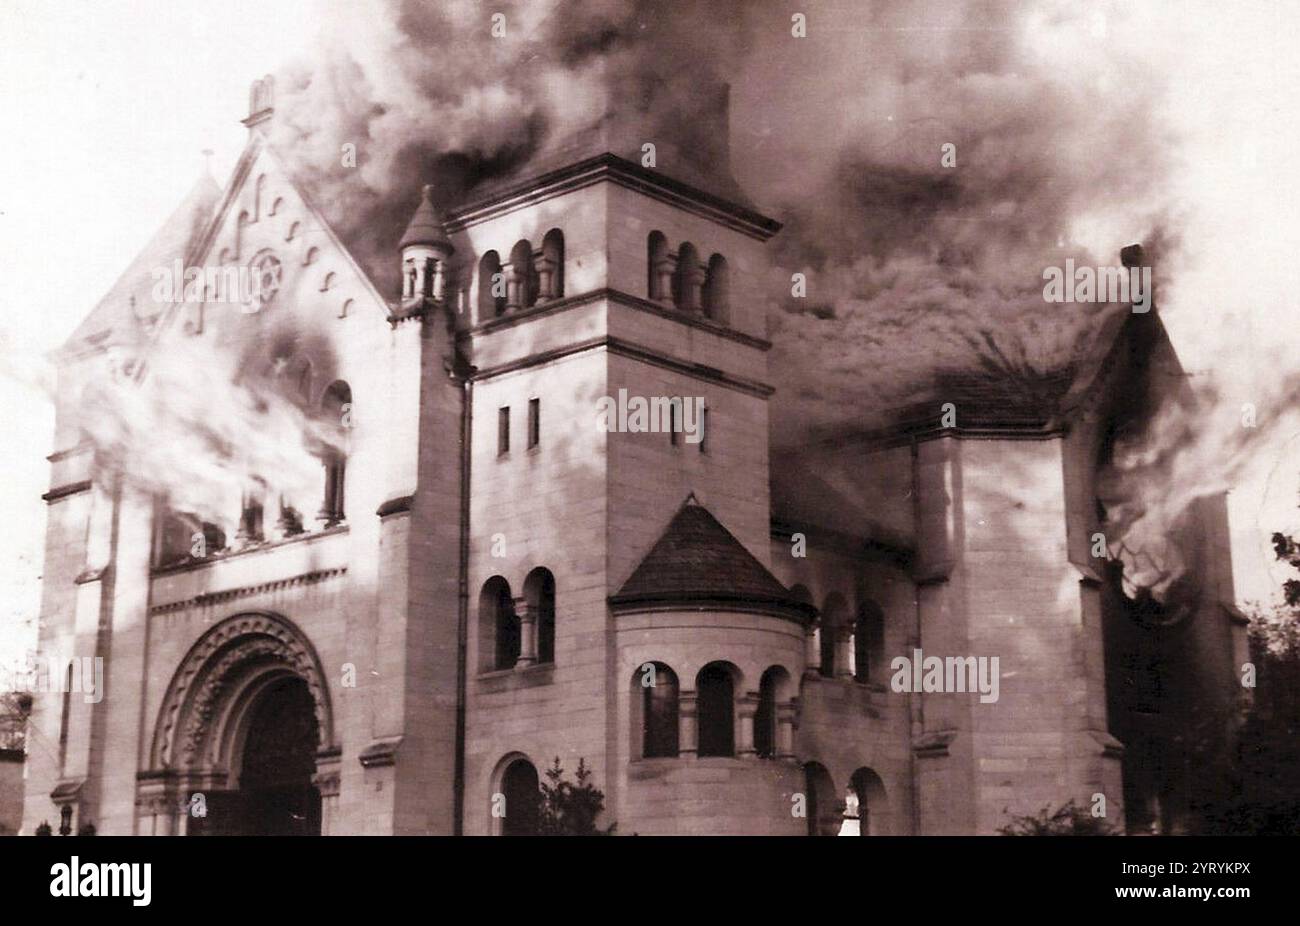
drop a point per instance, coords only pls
(519, 785)
(246, 724)
(275, 795)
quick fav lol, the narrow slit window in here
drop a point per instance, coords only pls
(534, 422)
(503, 431)
(674, 419)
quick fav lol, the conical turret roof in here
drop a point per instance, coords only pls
(426, 225)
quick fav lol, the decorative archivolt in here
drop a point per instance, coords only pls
(213, 674)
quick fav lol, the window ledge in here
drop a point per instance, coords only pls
(508, 679)
(261, 546)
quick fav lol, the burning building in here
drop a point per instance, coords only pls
(359, 560)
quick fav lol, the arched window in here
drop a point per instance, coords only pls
(717, 289)
(715, 690)
(834, 613)
(65, 718)
(659, 698)
(336, 408)
(823, 817)
(868, 642)
(772, 689)
(550, 266)
(659, 268)
(259, 190)
(870, 792)
(539, 592)
(498, 633)
(519, 787)
(686, 283)
(491, 287)
(521, 283)
(239, 233)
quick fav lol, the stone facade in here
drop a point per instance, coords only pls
(418, 624)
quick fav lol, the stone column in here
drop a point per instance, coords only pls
(692, 281)
(746, 708)
(844, 651)
(785, 719)
(812, 651)
(527, 634)
(326, 780)
(663, 271)
(688, 741)
(516, 286)
(545, 268)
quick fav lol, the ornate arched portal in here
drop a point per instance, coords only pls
(246, 723)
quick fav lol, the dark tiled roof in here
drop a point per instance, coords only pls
(697, 562)
(425, 226)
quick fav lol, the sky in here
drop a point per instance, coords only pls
(109, 106)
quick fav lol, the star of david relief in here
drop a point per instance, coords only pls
(265, 271)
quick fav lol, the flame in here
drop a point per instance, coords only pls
(193, 423)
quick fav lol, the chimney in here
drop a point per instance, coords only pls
(261, 102)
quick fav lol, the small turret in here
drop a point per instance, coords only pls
(425, 252)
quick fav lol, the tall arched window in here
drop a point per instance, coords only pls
(686, 283)
(491, 287)
(498, 626)
(715, 689)
(659, 697)
(659, 268)
(870, 792)
(833, 616)
(550, 266)
(539, 592)
(519, 787)
(65, 718)
(823, 818)
(259, 190)
(771, 689)
(336, 408)
(868, 642)
(717, 289)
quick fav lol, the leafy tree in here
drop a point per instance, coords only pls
(1261, 794)
(44, 829)
(1067, 820)
(15, 707)
(571, 808)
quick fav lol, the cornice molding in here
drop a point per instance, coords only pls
(209, 598)
(618, 296)
(610, 167)
(634, 351)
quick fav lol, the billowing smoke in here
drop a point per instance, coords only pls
(209, 430)
(929, 160)
(461, 93)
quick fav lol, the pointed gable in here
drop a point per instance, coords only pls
(697, 562)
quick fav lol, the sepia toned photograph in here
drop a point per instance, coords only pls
(650, 418)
